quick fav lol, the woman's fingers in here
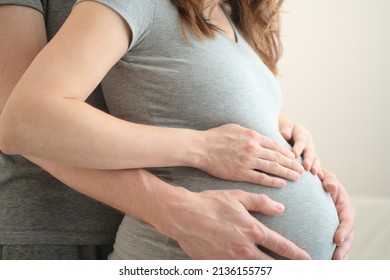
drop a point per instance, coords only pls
(274, 163)
(286, 130)
(275, 159)
(341, 252)
(300, 143)
(329, 181)
(271, 144)
(316, 167)
(270, 156)
(344, 235)
(257, 177)
(240, 154)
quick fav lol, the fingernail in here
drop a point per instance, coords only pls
(280, 206)
(282, 183)
(296, 176)
(341, 242)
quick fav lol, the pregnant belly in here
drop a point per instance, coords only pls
(309, 220)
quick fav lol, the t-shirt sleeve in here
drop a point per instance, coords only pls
(139, 15)
(36, 4)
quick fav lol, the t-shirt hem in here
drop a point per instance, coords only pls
(36, 5)
(56, 238)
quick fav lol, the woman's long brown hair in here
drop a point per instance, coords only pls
(257, 20)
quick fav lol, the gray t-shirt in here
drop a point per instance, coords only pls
(35, 208)
(165, 81)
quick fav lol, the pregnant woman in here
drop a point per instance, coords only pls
(188, 65)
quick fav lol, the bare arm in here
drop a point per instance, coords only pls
(54, 122)
(174, 211)
(52, 113)
(18, 38)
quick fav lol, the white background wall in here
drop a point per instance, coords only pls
(335, 76)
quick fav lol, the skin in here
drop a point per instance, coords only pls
(158, 202)
(52, 114)
(173, 210)
(303, 146)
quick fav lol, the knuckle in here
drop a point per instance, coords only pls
(238, 193)
(309, 150)
(273, 167)
(282, 249)
(262, 199)
(261, 177)
(290, 174)
(243, 251)
(274, 144)
(301, 140)
(245, 160)
(251, 133)
(258, 234)
(251, 146)
(233, 125)
(276, 156)
(238, 174)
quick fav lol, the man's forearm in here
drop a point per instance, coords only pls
(134, 192)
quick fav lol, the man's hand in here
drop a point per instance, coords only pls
(344, 234)
(216, 224)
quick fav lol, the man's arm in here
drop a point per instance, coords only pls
(198, 221)
(20, 43)
(52, 113)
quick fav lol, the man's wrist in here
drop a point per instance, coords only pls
(163, 199)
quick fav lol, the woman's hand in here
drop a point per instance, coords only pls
(240, 154)
(216, 224)
(344, 235)
(302, 145)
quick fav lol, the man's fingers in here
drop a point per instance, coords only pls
(279, 245)
(260, 203)
(250, 253)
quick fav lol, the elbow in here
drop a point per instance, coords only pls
(11, 135)
(7, 138)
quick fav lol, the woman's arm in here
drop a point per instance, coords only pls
(53, 121)
(207, 225)
(180, 214)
